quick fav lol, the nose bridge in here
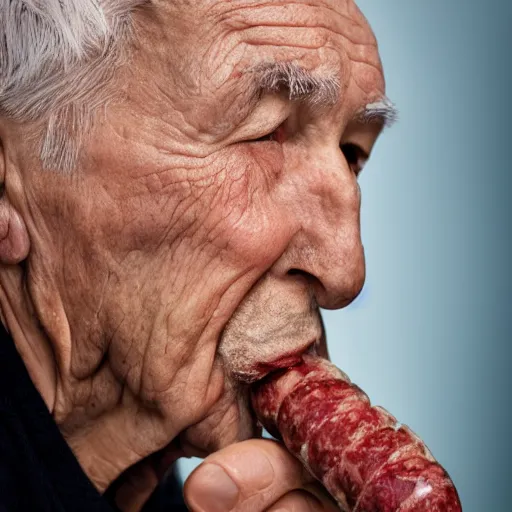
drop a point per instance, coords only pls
(331, 188)
(325, 198)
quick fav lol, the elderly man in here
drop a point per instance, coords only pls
(179, 198)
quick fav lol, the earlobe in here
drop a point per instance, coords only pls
(14, 239)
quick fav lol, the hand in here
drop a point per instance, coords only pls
(254, 476)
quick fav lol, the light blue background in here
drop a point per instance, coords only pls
(429, 338)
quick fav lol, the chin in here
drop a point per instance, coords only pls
(230, 421)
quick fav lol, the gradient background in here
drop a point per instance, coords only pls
(429, 337)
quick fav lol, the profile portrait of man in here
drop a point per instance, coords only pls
(179, 197)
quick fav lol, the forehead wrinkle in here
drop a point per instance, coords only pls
(301, 84)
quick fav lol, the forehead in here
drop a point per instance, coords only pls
(216, 42)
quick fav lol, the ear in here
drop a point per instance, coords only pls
(14, 239)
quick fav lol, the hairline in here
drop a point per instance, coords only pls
(58, 65)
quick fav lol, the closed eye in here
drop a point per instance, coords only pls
(269, 136)
(355, 156)
(278, 134)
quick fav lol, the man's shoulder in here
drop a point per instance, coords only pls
(38, 471)
(15, 466)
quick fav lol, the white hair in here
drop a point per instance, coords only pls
(56, 60)
(300, 83)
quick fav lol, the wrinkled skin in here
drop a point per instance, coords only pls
(177, 222)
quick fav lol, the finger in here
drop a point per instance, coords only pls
(303, 501)
(249, 476)
(312, 498)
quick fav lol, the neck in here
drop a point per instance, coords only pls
(98, 417)
(41, 336)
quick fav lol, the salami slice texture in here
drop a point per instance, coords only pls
(361, 454)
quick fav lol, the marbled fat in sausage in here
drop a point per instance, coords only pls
(361, 454)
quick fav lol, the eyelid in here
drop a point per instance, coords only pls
(363, 153)
(269, 131)
(360, 150)
(268, 115)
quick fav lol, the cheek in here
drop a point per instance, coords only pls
(268, 158)
(223, 213)
(246, 221)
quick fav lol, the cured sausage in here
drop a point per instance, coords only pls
(365, 459)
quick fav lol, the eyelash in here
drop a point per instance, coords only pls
(264, 138)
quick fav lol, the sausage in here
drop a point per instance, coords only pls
(365, 459)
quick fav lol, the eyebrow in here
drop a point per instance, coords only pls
(300, 83)
(382, 111)
(318, 91)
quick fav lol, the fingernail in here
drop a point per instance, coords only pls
(214, 491)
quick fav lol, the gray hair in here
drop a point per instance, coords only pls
(56, 60)
(300, 83)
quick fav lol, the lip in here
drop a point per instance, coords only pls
(284, 361)
(251, 348)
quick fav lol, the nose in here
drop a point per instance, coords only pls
(322, 194)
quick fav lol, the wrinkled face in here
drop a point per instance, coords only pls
(215, 210)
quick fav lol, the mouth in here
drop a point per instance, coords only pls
(283, 361)
(232, 419)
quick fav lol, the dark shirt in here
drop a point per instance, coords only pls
(38, 470)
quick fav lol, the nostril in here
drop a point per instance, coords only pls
(302, 275)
